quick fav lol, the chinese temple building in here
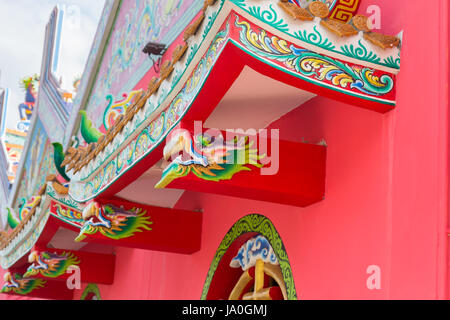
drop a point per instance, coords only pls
(238, 149)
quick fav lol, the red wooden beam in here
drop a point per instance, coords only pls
(35, 288)
(282, 172)
(118, 222)
(58, 264)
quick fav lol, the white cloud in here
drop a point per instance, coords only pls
(22, 30)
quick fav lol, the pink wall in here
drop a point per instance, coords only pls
(386, 191)
(386, 200)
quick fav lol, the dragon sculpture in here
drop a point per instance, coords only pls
(50, 265)
(26, 108)
(58, 158)
(20, 285)
(209, 158)
(89, 133)
(13, 222)
(112, 222)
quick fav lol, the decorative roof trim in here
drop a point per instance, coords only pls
(26, 234)
(212, 18)
(314, 36)
(97, 172)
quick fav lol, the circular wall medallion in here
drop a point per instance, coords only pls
(91, 292)
(221, 277)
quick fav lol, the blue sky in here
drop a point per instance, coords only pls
(22, 28)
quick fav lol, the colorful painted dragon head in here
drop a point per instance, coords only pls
(209, 157)
(20, 285)
(94, 220)
(182, 141)
(50, 265)
(36, 264)
(112, 222)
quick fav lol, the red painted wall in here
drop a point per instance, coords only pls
(386, 190)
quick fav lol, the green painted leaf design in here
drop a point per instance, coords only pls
(270, 17)
(315, 38)
(263, 226)
(360, 52)
(211, 21)
(240, 3)
(194, 49)
(390, 62)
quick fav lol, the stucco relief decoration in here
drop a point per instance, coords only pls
(91, 292)
(155, 131)
(19, 285)
(209, 157)
(257, 248)
(357, 80)
(113, 222)
(50, 264)
(266, 249)
(30, 85)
